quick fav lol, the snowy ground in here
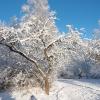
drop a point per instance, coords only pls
(62, 90)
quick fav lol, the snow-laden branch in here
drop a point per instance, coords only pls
(13, 49)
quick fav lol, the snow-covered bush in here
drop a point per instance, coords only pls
(80, 56)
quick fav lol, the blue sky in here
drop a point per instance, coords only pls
(80, 13)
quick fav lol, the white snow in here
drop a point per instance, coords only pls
(69, 89)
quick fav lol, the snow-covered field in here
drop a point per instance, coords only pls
(62, 90)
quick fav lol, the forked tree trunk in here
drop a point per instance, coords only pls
(46, 79)
(47, 85)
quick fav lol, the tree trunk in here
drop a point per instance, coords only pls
(47, 85)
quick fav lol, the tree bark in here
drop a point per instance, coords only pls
(47, 85)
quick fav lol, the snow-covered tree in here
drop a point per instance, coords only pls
(32, 38)
(77, 53)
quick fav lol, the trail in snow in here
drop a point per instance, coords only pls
(62, 90)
